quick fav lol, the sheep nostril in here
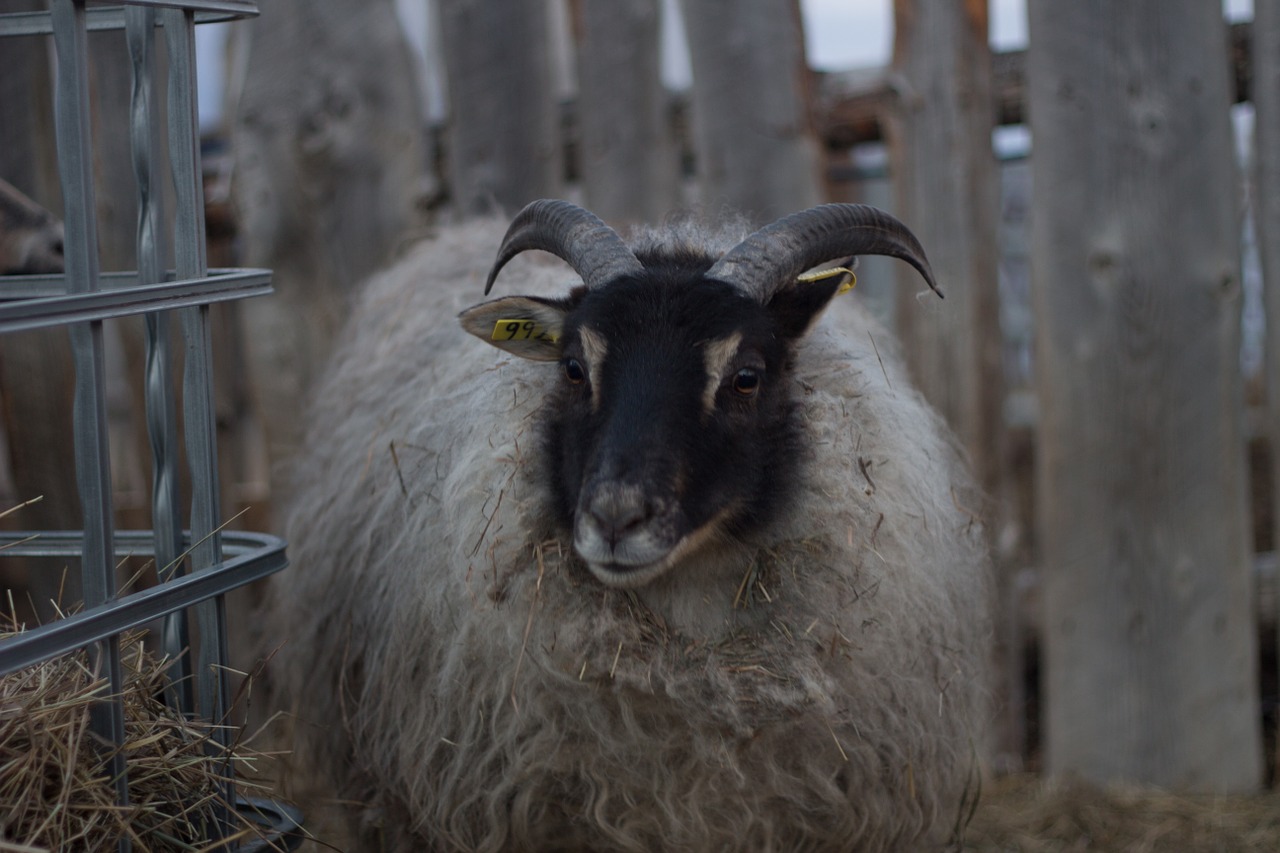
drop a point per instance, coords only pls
(618, 514)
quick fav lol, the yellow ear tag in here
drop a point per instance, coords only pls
(521, 330)
(823, 274)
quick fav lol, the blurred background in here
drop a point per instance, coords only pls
(1096, 183)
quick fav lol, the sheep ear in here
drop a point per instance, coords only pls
(521, 325)
(797, 307)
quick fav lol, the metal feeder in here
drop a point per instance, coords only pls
(200, 564)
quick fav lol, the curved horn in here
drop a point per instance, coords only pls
(774, 256)
(576, 236)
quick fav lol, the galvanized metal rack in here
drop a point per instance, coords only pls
(198, 565)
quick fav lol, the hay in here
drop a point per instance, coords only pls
(1028, 815)
(55, 793)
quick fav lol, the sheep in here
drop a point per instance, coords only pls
(30, 236)
(674, 567)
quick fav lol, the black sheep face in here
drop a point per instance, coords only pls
(673, 427)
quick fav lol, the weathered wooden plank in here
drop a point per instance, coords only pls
(329, 160)
(504, 146)
(755, 144)
(947, 190)
(1150, 649)
(628, 156)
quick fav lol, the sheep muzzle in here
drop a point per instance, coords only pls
(626, 535)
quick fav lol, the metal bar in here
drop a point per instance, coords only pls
(40, 286)
(24, 314)
(93, 463)
(266, 557)
(129, 543)
(113, 17)
(199, 416)
(238, 7)
(75, 164)
(161, 417)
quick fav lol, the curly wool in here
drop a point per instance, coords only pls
(454, 667)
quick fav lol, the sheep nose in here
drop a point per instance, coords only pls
(618, 511)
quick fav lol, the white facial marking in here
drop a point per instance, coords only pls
(594, 348)
(716, 356)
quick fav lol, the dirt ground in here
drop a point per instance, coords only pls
(1028, 815)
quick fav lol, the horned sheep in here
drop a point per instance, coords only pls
(676, 567)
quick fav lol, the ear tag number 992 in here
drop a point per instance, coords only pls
(521, 330)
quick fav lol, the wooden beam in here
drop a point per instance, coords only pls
(851, 104)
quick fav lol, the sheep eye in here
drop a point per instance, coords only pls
(573, 371)
(746, 382)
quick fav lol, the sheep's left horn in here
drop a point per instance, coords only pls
(576, 236)
(774, 256)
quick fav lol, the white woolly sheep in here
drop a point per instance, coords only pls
(582, 600)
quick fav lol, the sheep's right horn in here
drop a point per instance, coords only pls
(774, 256)
(576, 236)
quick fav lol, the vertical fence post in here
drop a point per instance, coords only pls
(504, 144)
(947, 189)
(630, 165)
(1149, 629)
(754, 139)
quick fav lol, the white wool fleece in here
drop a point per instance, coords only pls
(820, 687)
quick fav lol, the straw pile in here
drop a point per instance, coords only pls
(55, 793)
(1027, 815)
